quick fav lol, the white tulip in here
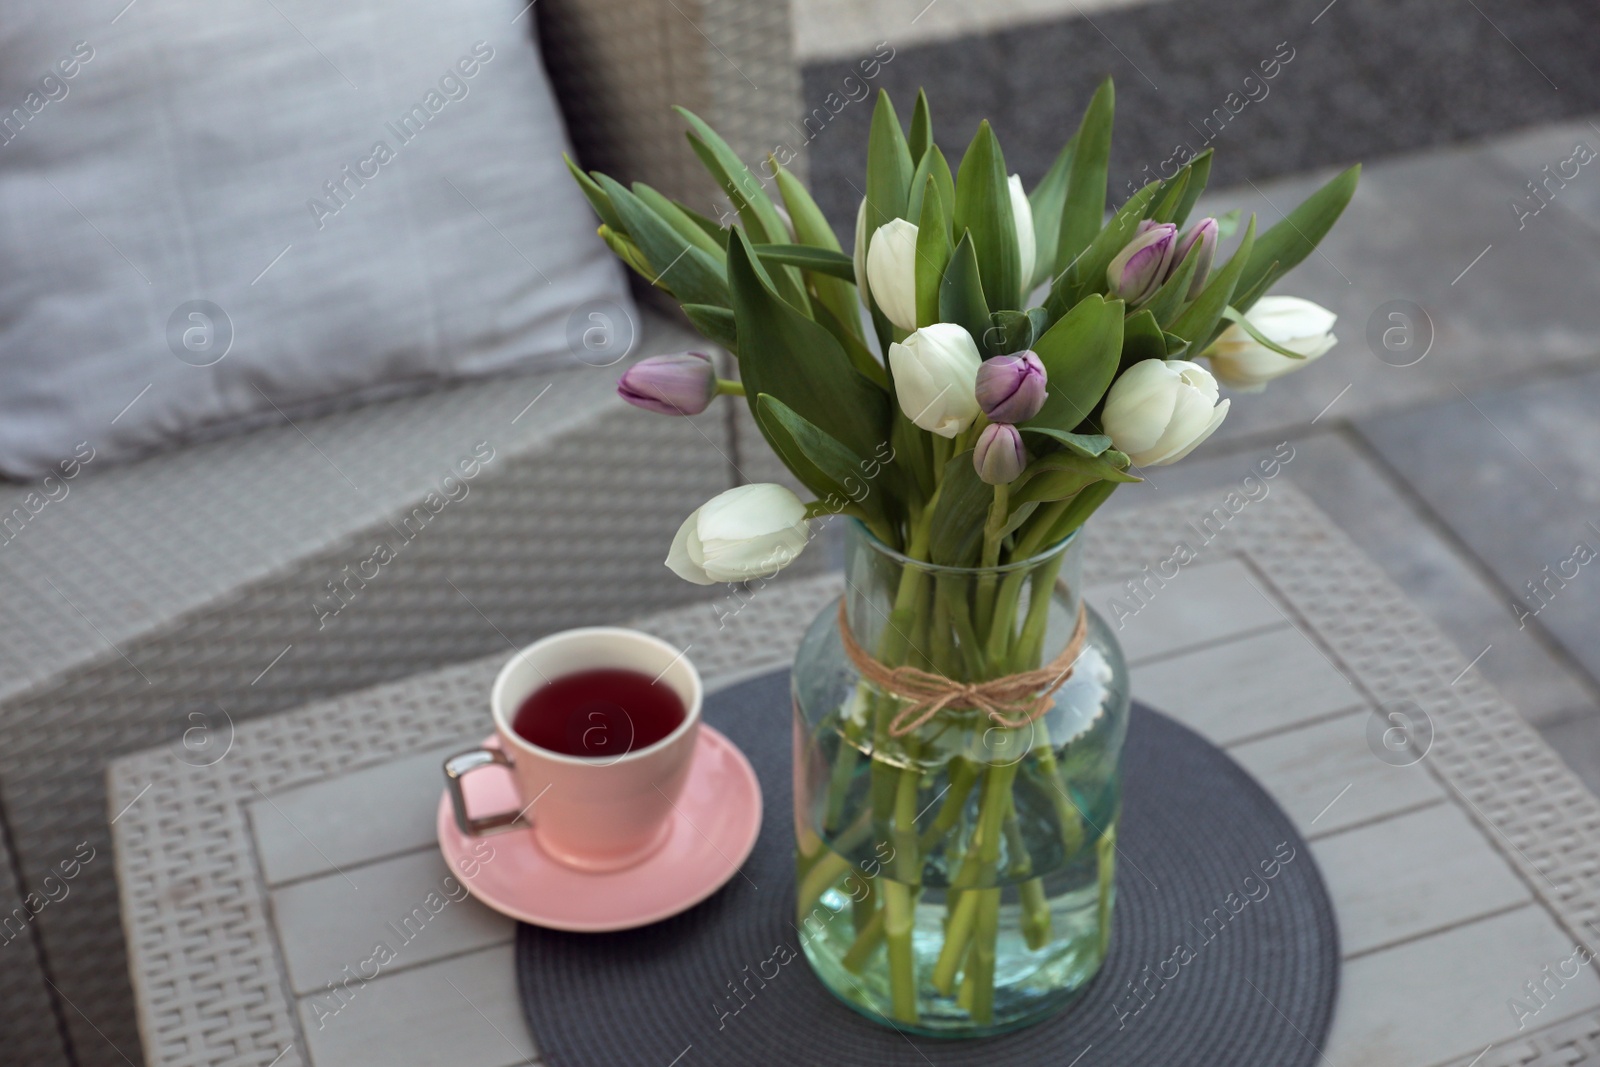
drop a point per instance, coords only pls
(1022, 213)
(936, 376)
(752, 531)
(1160, 410)
(1245, 365)
(859, 255)
(892, 271)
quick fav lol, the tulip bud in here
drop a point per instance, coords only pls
(1206, 233)
(892, 271)
(935, 378)
(1246, 366)
(752, 531)
(672, 385)
(1022, 215)
(999, 456)
(1159, 410)
(1140, 268)
(1011, 388)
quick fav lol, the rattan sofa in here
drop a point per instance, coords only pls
(158, 602)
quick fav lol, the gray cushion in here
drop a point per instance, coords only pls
(199, 230)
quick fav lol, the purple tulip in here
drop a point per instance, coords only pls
(999, 456)
(672, 385)
(1011, 388)
(1204, 232)
(1140, 268)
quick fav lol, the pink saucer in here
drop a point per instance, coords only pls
(715, 826)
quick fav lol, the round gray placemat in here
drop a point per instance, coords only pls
(1210, 963)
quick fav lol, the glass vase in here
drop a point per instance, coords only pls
(954, 872)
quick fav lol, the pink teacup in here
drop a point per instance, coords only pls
(591, 814)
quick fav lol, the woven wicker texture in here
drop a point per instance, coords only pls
(1194, 824)
(201, 579)
(211, 989)
(620, 64)
(175, 597)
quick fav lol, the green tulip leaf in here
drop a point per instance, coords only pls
(1088, 445)
(690, 274)
(1142, 339)
(961, 298)
(1040, 319)
(822, 464)
(1170, 197)
(811, 228)
(1085, 206)
(797, 361)
(680, 221)
(756, 210)
(716, 323)
(1081, 507)
(1080, 353)
(817, 260)
(596, 197)
(1060, 475)
(983, 210)
(1046, 202)
(629, 253)
(933, 249)
(889, 167)
(959, 514)
(716, 232)
(1282, 247)
(861, 357)
(1176, 346)
(1199, 171)
(1008, 332)
(921, 138)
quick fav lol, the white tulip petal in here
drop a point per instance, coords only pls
(681, 561)
(892, 271)
(1280, 318)
(1191, 411)
(738, 561)
(935, 376)
(749, 511)
(1139, 405)
(1218, 413)
(1022, 214)
(1196, 376)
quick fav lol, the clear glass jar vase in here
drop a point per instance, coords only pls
(955, 875)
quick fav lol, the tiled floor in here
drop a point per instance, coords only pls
(1468, 474)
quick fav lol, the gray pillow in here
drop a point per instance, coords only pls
(220, 212)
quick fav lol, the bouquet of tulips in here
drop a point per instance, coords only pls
(970, 383)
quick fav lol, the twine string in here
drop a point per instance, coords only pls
(1013, 700)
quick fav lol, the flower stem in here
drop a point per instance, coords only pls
(984, 939)
(1107, 854)
(868, 938)
(897, 923)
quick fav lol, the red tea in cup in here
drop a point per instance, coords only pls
(600, 713)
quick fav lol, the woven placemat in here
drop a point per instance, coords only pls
(1211, 963)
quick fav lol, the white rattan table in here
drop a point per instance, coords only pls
(1467, 883)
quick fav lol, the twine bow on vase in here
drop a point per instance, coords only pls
(1012, 701)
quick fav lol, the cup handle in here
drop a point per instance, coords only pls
(456, 768)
